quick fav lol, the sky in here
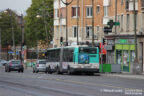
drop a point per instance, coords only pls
(20, 6)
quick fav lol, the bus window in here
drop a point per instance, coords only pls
(68, 54)
(87, 50)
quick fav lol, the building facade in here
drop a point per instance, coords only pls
(80, 18)
(121, 44)
(121, 41)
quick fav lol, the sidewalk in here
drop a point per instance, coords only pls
(125, 75)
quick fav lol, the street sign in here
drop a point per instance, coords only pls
(17, 53)
(108, 47)
(10, 52)
(117, 23)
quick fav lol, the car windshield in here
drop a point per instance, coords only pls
(87, 50)
(42, 62)
(16, 62)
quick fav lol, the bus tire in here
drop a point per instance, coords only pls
(49, 70)
(58, 71)
(69, 71)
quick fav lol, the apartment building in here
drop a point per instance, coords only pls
(81, 16)
(122, 40)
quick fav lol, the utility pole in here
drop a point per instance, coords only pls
(0, 44)
(135, 35)
(115, 16)
(93, 23)
(22, 38)
(13, 37)
(77, 21)
(135, 29)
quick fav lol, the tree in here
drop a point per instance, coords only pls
(6, 22)
(34, 27)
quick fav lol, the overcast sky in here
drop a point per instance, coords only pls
(17, 5)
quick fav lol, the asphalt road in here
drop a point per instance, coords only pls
(41, 84)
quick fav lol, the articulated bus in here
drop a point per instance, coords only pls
(73, 59)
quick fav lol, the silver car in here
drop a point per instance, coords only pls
(40, 66)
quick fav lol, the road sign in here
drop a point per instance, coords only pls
(108, 47)
(10, 52)
(117, 23)
(17, 53)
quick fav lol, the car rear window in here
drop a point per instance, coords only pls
(16, 62)
(42, 62)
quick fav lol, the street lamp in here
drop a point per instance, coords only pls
(67, 3)
(45, 24)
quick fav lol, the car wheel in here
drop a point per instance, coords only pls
(58, 71)
(22, 70)
(49, 70)
(5, 70)
(9, 70)
(33, 71)
(69, 71)
(36, 71)
(19, 71)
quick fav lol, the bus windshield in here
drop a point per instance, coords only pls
(88, 50)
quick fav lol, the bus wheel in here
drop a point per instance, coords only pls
(49, 70)
(58, 71)
(69, 71)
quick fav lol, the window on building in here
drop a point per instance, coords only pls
(75, 11)
(127, 4)
(121, 22)
(128, 20)
(56, 13)
(57, 31)
(97, 29)
(122, 1)
(143, 20)
(136, 20)
(98, 9)
(88, 31)
(142, 3)
(105, 11)
(89, 11)
(74, 31)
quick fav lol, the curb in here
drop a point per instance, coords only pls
(128, 76)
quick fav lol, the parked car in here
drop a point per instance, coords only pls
(14, 65)
(40, 66)
(3, 62)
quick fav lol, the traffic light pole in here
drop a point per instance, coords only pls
(22, 38)
(0, 44)
(101, 56)
(115, 16)
(93, 23)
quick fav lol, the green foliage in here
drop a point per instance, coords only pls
(6, 22)
(35, 27)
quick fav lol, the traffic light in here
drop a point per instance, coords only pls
(61, 40)
(111, 23)
(104, 41)
(107, 30)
